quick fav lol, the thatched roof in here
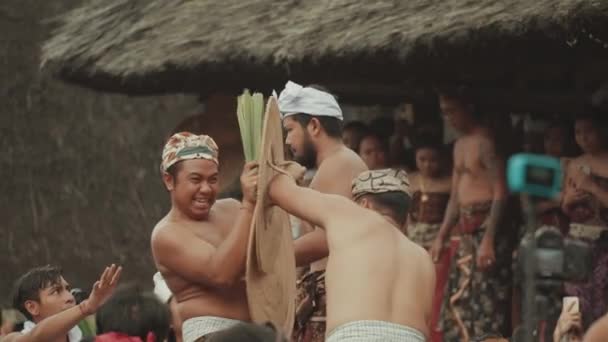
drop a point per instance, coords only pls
(155, 46)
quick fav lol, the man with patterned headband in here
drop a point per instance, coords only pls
(312, 119)
(200, 246)
(379, 283)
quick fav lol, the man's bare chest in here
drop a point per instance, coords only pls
(212, 232)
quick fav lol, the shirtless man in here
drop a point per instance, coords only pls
(200, 246)
(312, 119)
(44, 298)
(480, 277)
(388, 294)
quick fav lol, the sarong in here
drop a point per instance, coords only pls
(592, 294)
(442, 272)
(195, 329)
(374, 331)
(423, 234)
(310, 311)
(477, 302)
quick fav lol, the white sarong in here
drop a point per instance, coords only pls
(197, 327)
(374, 331)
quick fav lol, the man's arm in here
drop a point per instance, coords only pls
(310, 247)
(495, 167)
(200, 262)
(310, 205)
(313, 246)
(59, 325)
(51, 328)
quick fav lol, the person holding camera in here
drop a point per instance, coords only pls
(569, 326)
(585, 201)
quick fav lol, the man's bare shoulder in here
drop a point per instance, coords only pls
(344, 162)
(227, 204)
(345, 158)
(598, 331)
(421, 256)
(164, 224)
(166, 233)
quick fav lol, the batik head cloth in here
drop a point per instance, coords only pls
(380, 181)
(295, 99)
(186, 145)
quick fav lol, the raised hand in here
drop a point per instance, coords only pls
(249, 183)
(570, 322)
(102, 289)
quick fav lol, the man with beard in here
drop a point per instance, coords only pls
(43, 296)
(200, 246)
(312, 120)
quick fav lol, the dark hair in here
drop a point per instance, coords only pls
(461, 94)
(247, 332)
(594, 115)
(427, 141)
(28, 286)
(331, 125)
(355, 125)
(397, 202)
(598, 118)
(382, 126)
(135, 313)
(464, 96)
(174, 169)
(369, 134)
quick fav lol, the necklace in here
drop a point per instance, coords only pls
(424, 197)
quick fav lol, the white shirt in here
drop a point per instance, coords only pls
(74, 335)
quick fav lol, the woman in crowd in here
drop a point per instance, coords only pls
(585, 201)
(373, 151)
(430, 187)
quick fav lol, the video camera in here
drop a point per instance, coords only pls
(545, 258)
(556, 258)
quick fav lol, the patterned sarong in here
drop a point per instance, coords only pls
(310, 311)
(423, 234)
(195, 329)
(477, 302)
(374, 331)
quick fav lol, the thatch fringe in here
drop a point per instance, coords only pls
(150, 46)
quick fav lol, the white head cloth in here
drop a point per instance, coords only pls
(295, 99)
(161, 290)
